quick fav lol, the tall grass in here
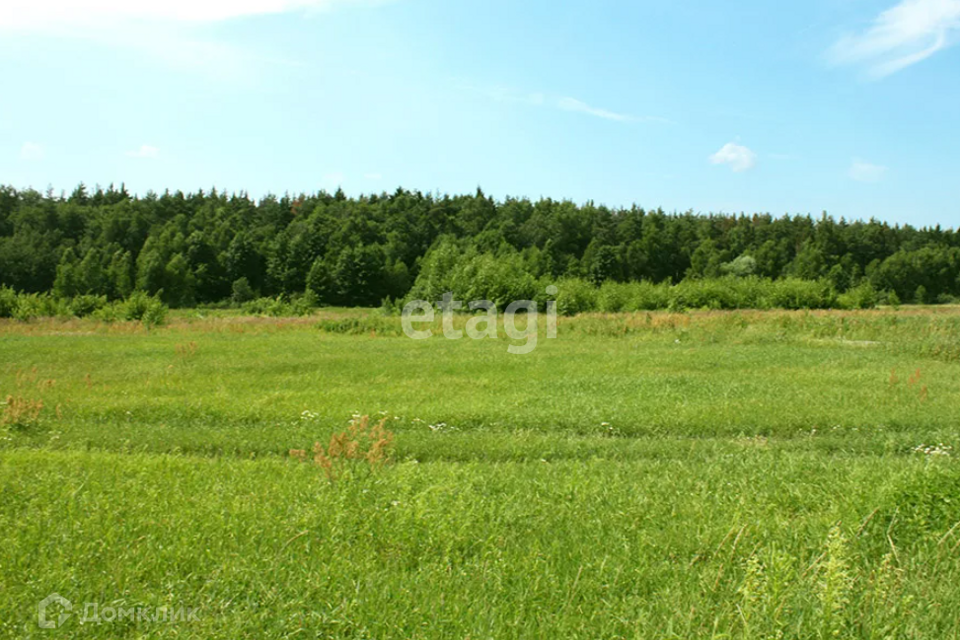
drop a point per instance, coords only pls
(695, 474)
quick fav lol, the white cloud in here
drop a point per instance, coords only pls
(572, 104)
(536, 99)
(504, 94)
(145, 151)
(903, 35)
(33, 14)
(166, 30)
(737, 156)
(865, 172)
(31, 151)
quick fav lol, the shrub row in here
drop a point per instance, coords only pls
(27, 306)
(580, 296)
(281, 306)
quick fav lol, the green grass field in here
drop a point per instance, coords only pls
(701, 475)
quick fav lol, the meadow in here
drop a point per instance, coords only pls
(708, 474)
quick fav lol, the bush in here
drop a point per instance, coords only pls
(8, 302)
(648, 296)
(242, 291)
(279, 307)
(742, 267)
(155, 315)
(863, 296)
(38, 305)
(706, 294)
(305, 304)
(359, 326)
(793, 293)
(86, 305)
(149, 310)
(614, 297)
(469, 275)
(27, 306)
(575, 296)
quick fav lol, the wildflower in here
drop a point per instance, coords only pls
(934, 450)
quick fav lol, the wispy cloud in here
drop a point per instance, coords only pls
(504, 94)
(35, 14)
(903, 35)
(866, 172)
(572, 104)
(31, 151)
(577, 106)
(170, 31)
(737, 157)
(145, 151)
(538, 99)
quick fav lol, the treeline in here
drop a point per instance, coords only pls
(218, 248)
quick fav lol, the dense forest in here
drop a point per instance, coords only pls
(218, 248)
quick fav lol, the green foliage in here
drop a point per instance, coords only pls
(38, 305)
(930, 270)
(575, 296)
(358, 251)
(705, 294)
(280, 306)
(242, 291)
(580, 296)
(320, 280)
(29, 306)
(179, 281)
(86, 305)
(792, 293)
(613, 297)
(863, 296)
(742, 267)
(149, 310)
(470, 275)
(8, 302)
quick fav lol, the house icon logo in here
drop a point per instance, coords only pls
(47, 616)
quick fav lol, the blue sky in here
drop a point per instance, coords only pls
(848, 106)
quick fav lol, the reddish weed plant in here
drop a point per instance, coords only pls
(363, 442)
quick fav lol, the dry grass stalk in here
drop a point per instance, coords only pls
(361, 442)
(20, 412)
